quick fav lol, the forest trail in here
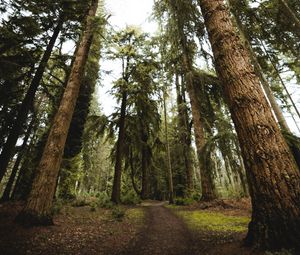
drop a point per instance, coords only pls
(164, 233)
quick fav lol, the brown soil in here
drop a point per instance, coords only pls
(80, 231)
(76, 231)
(163, 233)
(166, 234)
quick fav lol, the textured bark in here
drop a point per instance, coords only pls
(116, 189)
(271, 170)
(38, 207)
(259, 72)
(9, 147)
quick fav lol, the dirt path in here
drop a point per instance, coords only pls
(164, 233)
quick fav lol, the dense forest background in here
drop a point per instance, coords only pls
(207, 108)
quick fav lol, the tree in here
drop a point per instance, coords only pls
(271, 170)
(137, 119)
(38, 206)
(8, 148)
(69, 172)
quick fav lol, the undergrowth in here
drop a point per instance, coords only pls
(213, 221)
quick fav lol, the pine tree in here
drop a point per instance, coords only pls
(271, 170)
(38, 206)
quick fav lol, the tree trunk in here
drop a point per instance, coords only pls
(259, 72)
(132, 175)
(271, 170)
(116, 189)
(185, 135)
(68, 173)
(145, 164)
(291, 14)
(38, 207)
(6, 194)
(170, 174)
(207, 183)
(187, 63)
(9, 147)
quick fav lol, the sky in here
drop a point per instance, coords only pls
(123, 13)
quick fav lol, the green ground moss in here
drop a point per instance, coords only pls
(136, 214)
(213, 221)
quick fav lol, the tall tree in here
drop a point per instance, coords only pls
(271, 170)
(8, 148)
(38, 206)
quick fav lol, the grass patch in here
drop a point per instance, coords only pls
(214, 221)
(135, 214)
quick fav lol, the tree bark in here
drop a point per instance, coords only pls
(116, 189)
(271, 170)
(38, 207)
(259, 72)
(9, 147)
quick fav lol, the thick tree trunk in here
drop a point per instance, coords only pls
(116, 189)
(68, 174)
(271, 170)
(259, 72)
(9, 147)
(38, 206)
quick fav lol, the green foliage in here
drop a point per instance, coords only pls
(184, 201)
(118, 213)
(213, 221)
(130, 198)
(104, 200)
(81, 201)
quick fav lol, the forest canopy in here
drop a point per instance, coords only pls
(204, 109)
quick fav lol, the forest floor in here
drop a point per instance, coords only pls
(151, 228)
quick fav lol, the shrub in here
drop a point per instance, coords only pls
(183, 201)
(93, 206)
(80, 201)
(118, 213)
(131, 198)
(104, 200)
